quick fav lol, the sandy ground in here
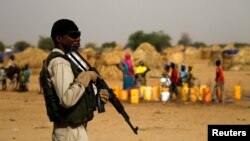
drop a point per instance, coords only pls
(23, 115)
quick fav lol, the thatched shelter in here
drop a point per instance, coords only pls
(215, 54)
(192, 53)
(89, 54)
(107, 62)
(148, 54)
(237, 60)
(205, 52)
(32, 56)
(174, 54)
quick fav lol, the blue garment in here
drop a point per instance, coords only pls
(27, 75)
(128, 79)
(183, 76)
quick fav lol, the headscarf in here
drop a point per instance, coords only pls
(129, 63)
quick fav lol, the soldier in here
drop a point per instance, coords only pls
(69, 95)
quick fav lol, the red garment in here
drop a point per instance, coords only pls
(174, 76)
(219, 75)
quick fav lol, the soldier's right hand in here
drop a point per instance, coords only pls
(86, 76)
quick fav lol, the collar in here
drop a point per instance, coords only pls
(58, 50)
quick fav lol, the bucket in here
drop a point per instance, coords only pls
(123, 95)
(165, 96)
(134, 96)
(148, 93)
(237, 92)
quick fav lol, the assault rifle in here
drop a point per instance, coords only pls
(76, 58)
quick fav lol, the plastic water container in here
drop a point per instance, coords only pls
(117, 90)
(193, 95)
(142, 91)
(237, 92)
(207, 96)
(155, 93)
(123, 95)
(201, 93)
(184, 93)
(134, 96)
(148, 93)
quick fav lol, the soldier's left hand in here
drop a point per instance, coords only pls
(104, 95)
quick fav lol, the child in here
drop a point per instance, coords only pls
(190, 77)
(219, 81)
(183, 75)
(165, 80)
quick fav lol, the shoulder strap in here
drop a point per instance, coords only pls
(46, 62)
(53, 55)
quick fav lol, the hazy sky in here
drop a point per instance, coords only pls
(210, 21)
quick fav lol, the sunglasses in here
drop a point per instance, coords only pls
(74, 34)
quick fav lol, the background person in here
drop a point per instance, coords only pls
(190, 77)
(140, 74)
(183, 75)
(174, 78)
(219, 82)
(165, 79)
(3, 78)
(127, 68)
(27, 76)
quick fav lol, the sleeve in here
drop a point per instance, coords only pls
(67, 90)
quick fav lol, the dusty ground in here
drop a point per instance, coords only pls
(23, 115)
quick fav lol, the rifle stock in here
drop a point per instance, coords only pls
(101, 84)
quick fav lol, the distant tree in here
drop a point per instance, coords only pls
(21, 45)
(2, 46)
(185, 40)
(238, 45)
(109, 45)
(135, 39)
(198, 44)
(45, 43)
(90, 45)
(158, 39)
(222, 45)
